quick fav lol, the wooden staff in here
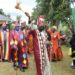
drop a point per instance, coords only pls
(16, 68)
(26, 13)
(16, 71)
(51, 58)
(0, 54)
(18, 7)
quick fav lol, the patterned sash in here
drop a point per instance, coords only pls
(45, 66)
(2, 44)
(7, 49)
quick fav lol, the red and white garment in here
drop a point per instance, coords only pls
(40, 52)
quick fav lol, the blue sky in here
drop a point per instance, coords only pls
(8, 7)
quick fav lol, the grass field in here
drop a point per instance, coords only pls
(63, 67)
(58, 68)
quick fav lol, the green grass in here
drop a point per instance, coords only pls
(63, 67)
(58, 68)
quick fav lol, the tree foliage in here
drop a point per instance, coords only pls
(53, 10)
(2, 12)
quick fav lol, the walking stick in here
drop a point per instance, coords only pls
(16, 71)
(16, 68)
(0, 55)
(50, 57)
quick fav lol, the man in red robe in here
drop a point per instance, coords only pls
(40, 47)
(0, 44)
(18, 48)
(5, 43)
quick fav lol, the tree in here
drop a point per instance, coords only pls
(2, 12)
(53, 10)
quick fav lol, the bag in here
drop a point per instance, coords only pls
(70, 52)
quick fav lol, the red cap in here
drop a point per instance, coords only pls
(40, 21)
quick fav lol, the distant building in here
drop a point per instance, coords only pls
(4, 19)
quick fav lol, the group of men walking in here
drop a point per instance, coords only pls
(15, 43)
(43, 42)
(13, 46)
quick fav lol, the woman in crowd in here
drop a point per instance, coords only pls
(56, 47)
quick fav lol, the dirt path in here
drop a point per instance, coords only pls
(58, 68)
(7, 68)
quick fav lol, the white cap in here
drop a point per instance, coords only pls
(54, 27)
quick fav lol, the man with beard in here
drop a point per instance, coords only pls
(40, 47)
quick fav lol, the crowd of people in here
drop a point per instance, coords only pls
(43, 42)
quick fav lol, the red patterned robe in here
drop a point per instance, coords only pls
(23, 59)
(14, 39)
(56, 50)
(18, 47)
(0, 44)
(5, 44)
(40, 52)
